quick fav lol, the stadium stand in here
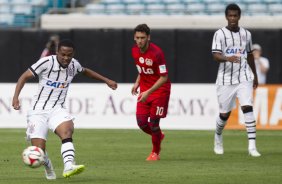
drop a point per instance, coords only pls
(21, 13)
(26, 13)
(186, 7)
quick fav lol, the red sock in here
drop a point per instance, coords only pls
(156, 140)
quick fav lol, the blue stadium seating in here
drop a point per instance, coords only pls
(23, 13)
(190, 7)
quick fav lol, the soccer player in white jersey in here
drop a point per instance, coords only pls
(55, 73)
(236, 78)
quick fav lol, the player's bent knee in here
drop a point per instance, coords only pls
(247, 109)
(142, 121)
(224, 117)
(154, 124)
(155, 120)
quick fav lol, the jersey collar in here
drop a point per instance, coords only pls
(57, 65)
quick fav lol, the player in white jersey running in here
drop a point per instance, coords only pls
(55, 73)
(237, 77)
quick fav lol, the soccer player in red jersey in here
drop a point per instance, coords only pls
(154, 84)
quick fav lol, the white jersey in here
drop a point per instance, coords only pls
(233, 43)
(54, 81)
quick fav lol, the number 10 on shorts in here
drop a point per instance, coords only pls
(160, 111)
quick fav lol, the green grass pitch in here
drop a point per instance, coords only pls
(118, 156)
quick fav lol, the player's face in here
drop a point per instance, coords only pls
(65, 55)
(233, 18)
(142, 40)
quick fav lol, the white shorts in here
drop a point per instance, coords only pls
(226, 96)
(40, 121)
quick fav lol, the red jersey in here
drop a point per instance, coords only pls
(151, 65)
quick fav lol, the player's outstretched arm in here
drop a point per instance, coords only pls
(94, 75)
(20, 84)
(134, 89)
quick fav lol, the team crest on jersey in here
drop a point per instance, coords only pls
(57, 84)
(141, 60)
(149, 62)
(243, 38)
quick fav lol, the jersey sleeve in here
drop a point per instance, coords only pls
(162, 69)
(40, 66)
(217, 42)
(249, 45)
(78, 67)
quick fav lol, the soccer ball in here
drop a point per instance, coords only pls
(33, 156)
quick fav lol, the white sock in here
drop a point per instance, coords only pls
(47, 162)
(251, 129)
(220, 124)
(68, 154)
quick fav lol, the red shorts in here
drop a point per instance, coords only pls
(154, 107)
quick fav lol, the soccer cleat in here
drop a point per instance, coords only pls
(254, 153)
(49, 172)
(73, 170)
(153, 157)
(218, 144)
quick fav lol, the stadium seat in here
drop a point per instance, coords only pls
(6, 19)
(4, 1)
(190, 1)
(5, 8)
(195, 8)
(231, 1)
(176, 9)
(209, 2)
(275, 9)
(171, 1)
(22, 9)
(19, 2)
(215, 8)
(95, 9)
(156, 9)
(251, 1)
(131, 1)
(115, 9)
(152, 1)
(136, 9)
(272, 1)
(38, 2)
(243, 7)
(257, 9)
(110, 1)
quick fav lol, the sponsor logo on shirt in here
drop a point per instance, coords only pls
(141, 60)
(162, 68)
(235, 51)
(145, 70)
(57, 84)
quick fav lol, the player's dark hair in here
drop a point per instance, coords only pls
(66, 43)
(142, 28)
(232, 6)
